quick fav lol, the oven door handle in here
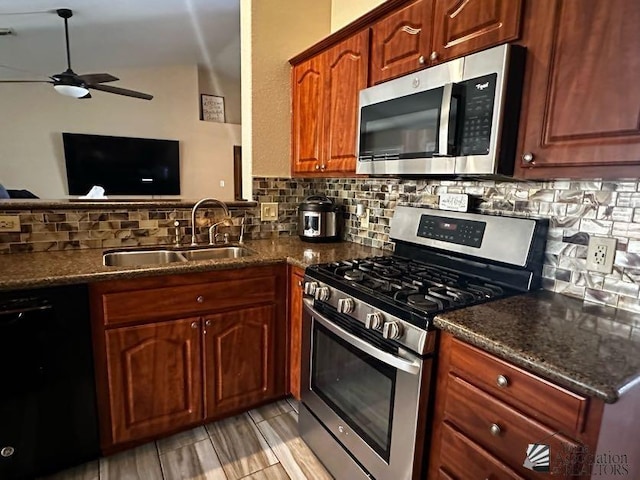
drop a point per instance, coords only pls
(410, 365)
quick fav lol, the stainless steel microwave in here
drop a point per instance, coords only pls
(456, 118)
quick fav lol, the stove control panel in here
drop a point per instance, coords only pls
(452, 230)
(415, 338)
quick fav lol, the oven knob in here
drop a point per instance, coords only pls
(346, 305)
(310, 287)
(392, 330)
(322, 294)
(374, 321)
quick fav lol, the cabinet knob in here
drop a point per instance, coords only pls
(527, 157)
(317, 167)
(200, 299)
(433, 56)
(495, 429)
(7, 452)
(207, 323)
(300, 283)
(421, 60)
(502, 381)
(194, 325)
(322, 167)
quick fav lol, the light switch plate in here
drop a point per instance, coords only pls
(268, 211)
(9, 223)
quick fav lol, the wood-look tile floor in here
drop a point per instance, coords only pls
(262, 444)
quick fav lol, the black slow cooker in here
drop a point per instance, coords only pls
(319, 219)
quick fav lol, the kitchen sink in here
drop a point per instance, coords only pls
(216, 253)
(131, 258)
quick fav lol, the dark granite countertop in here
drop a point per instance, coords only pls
(587, 348)
(27, 270)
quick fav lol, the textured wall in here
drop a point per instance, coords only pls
(32, 156)
(271, 33)
(575, 210)
(346, 11)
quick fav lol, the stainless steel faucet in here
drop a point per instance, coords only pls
(220, 203)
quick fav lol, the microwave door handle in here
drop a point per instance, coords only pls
(445, 112)
(410, 366)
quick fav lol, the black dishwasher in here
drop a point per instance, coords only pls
(48, 418)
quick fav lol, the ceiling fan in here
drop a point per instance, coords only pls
(71, 84)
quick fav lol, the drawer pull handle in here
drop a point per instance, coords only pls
(495, 430)
(502, 381)
(200, 299)
(194, 325)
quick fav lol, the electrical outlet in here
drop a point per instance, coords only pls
(601, 253)
(268, 212)
(364, 220)
(9, 223)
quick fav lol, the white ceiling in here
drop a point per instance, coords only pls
(112, 34)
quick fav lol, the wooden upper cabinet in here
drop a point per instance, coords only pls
(427, 32)
(462, 27)
(307, 115)
(241, 363)
(582, 94)
(325, 107)
(155, 378)
(400, 42)
(346, 74)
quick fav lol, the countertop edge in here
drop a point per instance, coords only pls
(534, 365)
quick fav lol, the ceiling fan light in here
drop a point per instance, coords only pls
(71, 90)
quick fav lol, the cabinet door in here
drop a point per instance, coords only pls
(347, 66)
(307, 116)
(582, 102)
(240, 359)
(155, 378)
(296, 279)
(400, 42)
(463, 27)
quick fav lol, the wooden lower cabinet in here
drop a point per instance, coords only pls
(201, 359)
(240, 359)
(488, 412)
(296, 283)
(155, 381)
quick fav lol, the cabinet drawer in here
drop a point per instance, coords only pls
(185, 300)
(504, 431)
(535, 396)
(461, 459)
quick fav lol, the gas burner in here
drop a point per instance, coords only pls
(425, 303)
(353, 275)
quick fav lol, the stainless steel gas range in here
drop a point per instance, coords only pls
(368, 341)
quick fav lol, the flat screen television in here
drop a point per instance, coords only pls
(121, 165)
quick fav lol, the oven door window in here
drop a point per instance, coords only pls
(401, 128)
(359, 388)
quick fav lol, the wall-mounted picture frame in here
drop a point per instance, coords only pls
(211, 108)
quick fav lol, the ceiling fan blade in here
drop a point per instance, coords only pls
(93, 78)
(25, 81)
(121, 91)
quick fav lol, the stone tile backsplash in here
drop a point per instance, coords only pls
(576, 210)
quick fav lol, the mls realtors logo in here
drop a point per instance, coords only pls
(537, 458)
